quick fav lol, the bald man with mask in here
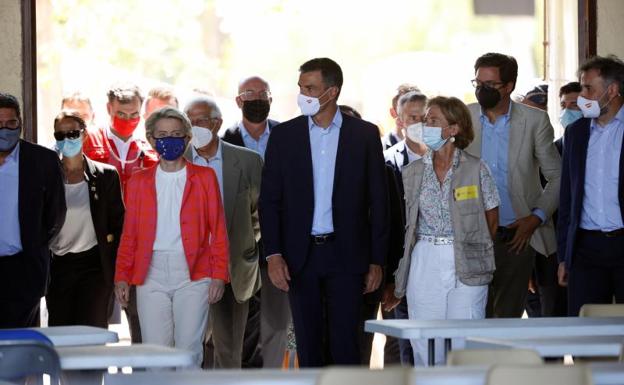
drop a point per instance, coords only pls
(269, 311)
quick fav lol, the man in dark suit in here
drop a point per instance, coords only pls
(266, 334)
(590, 229)
(32, 203)
(324, 216)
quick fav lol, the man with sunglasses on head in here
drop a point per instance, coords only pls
(33, 211)
(269, 312)
(118, 146)
(516, 142)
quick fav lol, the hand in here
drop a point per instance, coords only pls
(388, 300)
(215, 291)
(524, 230)
(278, 272)
(372, 279)
(562, 275)
(122, 292)
(532, 286)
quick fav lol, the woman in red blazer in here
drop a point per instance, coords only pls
(174, 245)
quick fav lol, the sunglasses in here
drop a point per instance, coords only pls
(61, 135)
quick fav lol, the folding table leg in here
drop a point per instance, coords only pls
(447, 348)
(431, 347)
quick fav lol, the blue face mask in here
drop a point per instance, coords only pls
(432, 137)
(569, 116)
(170, 148)
(69, 147)
(8, 138)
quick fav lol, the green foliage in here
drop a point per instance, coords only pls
(212, 42)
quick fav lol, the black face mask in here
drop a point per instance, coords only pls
(488, 97)
(256, 111)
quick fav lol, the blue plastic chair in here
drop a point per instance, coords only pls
(25, 353)
(24, 334)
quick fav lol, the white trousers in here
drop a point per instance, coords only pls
(434, 292)
(173, 310)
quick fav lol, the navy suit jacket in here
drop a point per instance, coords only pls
(572, 187)
(359, 201)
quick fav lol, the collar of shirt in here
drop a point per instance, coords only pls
(198, 159)
(13, 157)
(411, 155)
(484, 119)
(617, 119)
(336, 122)
(247, 135)
(428, 157)
(122, 147)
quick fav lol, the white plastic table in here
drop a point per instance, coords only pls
(583, 346)
(497, 328)
(78, 335)
(602, 374)
(217, 377)
(87, 364)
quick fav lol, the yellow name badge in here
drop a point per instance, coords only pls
(466, 192)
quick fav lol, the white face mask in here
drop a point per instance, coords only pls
(310, 105)
(591, 108)
(201, 136)
(415, 132)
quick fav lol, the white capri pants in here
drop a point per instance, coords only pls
(173, 310)
(434, 292)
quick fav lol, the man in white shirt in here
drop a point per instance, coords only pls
(410, 109)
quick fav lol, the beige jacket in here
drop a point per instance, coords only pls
(531, 149)
(242, 172)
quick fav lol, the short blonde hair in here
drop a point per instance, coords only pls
(166, 113)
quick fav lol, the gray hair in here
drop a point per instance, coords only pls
(166, 113)
(410, 97)
(610, 69)
(215, 111)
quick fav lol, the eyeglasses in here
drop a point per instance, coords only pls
(73, 134)
(253, 95)
(12, 124)
(491, 84)
(203, 122)
(175, 134)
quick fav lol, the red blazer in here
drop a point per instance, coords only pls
(202, 218)
(97, 146)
